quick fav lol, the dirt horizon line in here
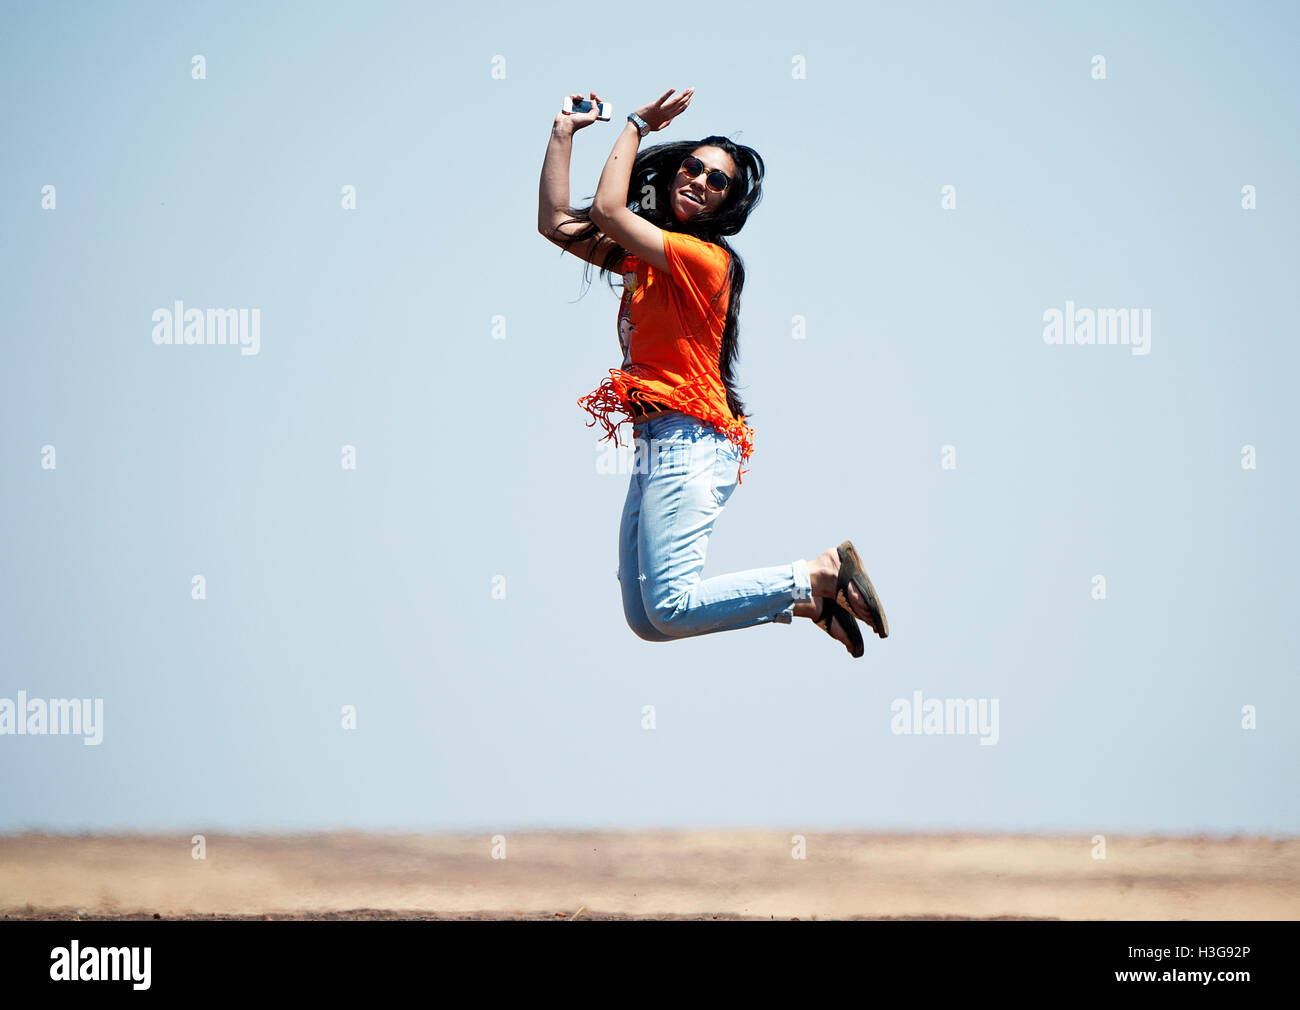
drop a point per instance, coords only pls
(666, 873)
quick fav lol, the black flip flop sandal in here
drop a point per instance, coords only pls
(832, 611)
(852, 571)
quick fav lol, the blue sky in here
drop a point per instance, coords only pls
(373, 587)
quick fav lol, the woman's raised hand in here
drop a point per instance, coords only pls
(666, 108)
(577, 120)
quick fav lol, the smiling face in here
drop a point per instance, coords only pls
(690, 197)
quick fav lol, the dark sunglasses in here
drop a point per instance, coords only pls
(716, 180)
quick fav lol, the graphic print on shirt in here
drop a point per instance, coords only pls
(625, 324)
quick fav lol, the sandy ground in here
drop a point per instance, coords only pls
(722, 875)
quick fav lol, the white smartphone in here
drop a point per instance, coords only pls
(584, 105)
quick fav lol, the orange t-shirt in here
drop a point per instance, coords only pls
(670, 331)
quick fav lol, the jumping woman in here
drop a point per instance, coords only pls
(660, 219)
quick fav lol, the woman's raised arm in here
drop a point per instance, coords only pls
(553, 189)
(609, 210)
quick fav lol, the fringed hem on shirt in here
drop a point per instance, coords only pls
(617, 393)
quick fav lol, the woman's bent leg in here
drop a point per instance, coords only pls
(681, 497)
(629, 569)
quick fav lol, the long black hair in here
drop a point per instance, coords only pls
(649, 196)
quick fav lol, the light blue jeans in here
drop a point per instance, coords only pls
(684, 474)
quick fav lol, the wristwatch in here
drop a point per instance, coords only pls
(642, 127)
